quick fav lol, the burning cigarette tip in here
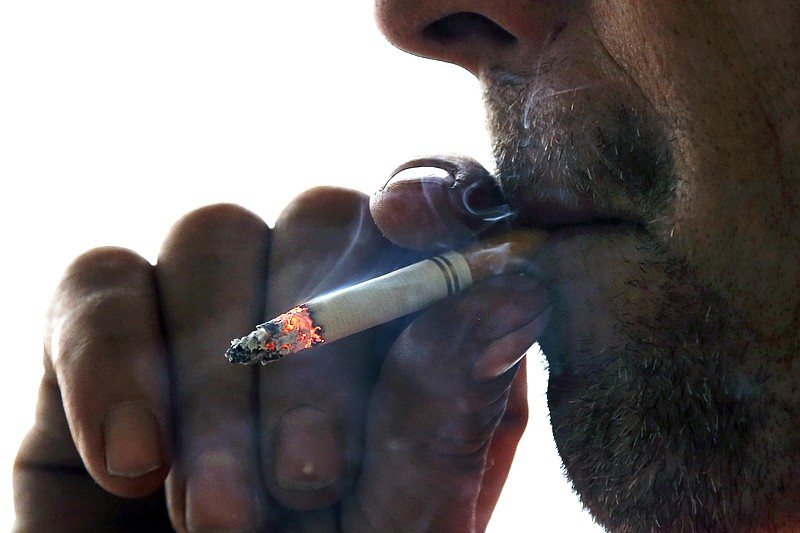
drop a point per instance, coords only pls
(288, 333)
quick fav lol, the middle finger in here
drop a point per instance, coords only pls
(313, 402)
(210, 277)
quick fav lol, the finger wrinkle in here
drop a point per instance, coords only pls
(50, 468)
(95, 288)
(465, 433)
(103, 267)
(92, 322)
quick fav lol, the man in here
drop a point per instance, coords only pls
(659, 144)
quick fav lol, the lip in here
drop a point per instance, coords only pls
(564, 333)
(554, 211)
(567, 213)
(578, 228)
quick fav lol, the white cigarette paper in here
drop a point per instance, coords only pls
(391, 296)
(347, 311)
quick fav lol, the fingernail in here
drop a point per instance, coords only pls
(307, 452)
(132, 441)
(503, 354)
(219, 495)
(421, 173)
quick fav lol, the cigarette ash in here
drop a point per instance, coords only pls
(288, 333)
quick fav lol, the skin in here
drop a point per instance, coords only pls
(673, 317)
(354, 438)
(674, 337)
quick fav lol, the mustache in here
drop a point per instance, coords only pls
(578, 141)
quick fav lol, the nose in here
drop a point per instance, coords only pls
(476, 34)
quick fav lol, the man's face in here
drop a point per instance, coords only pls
(661, 141)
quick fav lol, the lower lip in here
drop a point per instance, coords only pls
(577, 240)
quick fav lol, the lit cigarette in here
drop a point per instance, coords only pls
(342, 313)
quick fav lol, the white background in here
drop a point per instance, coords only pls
(116, 118)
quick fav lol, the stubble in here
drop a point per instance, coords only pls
(680, 424)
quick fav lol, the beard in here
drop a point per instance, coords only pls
(666, 405)
(681, 427)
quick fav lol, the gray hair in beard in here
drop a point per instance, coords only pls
(555, 143)
(682, 428)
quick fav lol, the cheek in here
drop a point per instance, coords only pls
(731, 221)
(733, 218)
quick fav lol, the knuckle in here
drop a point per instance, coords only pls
(106, 264)
(223, 221)
(325, 239)
(91, 325)
(101, 274)
(440, 458)
(463, 448)
(98, 275)
(89, 301)
(325, 206)
(466, 430)
(441, 339)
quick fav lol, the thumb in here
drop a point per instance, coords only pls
(442, 394)
(438, 202)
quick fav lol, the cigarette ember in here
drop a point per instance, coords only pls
(290, 332)
(351, 310)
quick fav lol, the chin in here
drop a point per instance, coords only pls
(664, 410)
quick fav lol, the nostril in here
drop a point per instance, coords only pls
(465, 25)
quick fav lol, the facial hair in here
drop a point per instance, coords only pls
(680, 425)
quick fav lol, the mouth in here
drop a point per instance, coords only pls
(552, 210)
(584, 264)
(574, 217)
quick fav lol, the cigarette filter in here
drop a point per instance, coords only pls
(351, 310)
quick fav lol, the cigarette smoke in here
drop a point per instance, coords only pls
(487, 214)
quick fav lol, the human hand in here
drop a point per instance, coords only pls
(365, 434)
